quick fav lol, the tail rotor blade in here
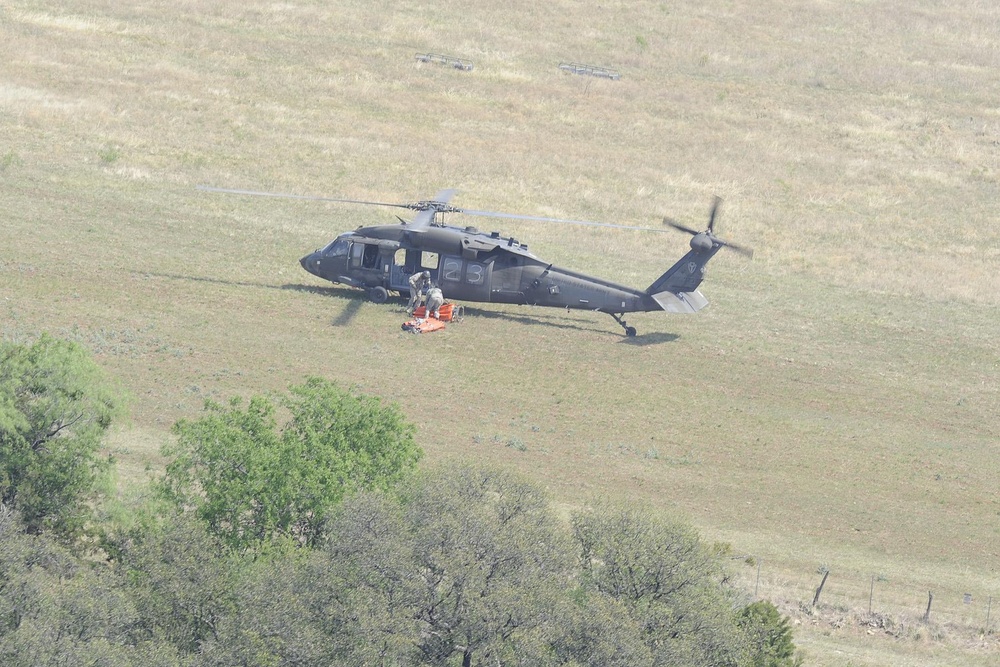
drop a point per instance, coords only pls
(677, 225)
(746, 252)
(715, 209)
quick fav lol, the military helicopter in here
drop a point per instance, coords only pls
(470, 265)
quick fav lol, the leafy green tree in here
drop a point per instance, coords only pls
(594, 630)
(58, 610)
(468, 567)
(670, 583)
(179, 580)
(491, 564)
(55, 406)
(255, 484)
(769, 636)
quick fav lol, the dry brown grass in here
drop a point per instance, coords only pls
(837, 403)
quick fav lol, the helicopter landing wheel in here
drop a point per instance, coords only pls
(378, 294)
(629, 331)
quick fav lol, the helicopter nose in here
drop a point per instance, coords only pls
(309, 263)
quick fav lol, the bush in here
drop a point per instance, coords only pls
(768, 635)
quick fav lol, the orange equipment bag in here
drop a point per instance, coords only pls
(423, 325)
(448, 312)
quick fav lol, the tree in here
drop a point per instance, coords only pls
(769, 636)
(362, 591)
(595, 630)
(55, 406)
(491, 565)
(179, 580)
(255, 484)
(669, 581)
(467, 567)
(58, 610)
(271, 623)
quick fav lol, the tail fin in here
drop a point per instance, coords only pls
(677, 290)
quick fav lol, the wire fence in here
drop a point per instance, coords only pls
(879, 604)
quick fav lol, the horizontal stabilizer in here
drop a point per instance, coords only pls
(681, 302)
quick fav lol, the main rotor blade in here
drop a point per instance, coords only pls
(444, 196)
(426, 210)
(258, 193)
(540, 218)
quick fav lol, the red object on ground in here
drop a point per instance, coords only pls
(423, 325)
(446, 313)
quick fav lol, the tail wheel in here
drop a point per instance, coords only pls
(378, 294)
(629, 331)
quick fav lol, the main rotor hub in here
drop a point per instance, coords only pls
(430, 205)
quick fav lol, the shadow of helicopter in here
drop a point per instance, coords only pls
(348, 313)
(565, 322)
(530, 320)
(356, 300)
(198, 279)
(642, 340)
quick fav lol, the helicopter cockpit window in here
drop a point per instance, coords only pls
(370, 258)
(364, 255)
(337, 248)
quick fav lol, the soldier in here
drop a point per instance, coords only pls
(419, 282)
(435, 299)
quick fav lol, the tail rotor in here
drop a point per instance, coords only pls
(706, 240)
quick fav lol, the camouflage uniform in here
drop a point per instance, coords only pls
(435, 299)
(419, 281)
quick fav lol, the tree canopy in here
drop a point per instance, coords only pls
(670, 582)
(468, 565)
(254, 482)
(55, 406)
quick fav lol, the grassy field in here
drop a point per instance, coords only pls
(836, 406)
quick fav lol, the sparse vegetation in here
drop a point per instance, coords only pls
(837, 402)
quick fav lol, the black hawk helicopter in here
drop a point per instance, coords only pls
(470, 265)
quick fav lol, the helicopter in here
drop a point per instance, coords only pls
(471, 265)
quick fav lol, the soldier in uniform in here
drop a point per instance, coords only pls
(419, 282)
(435, 299)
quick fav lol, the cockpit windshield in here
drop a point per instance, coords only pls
(337, 248)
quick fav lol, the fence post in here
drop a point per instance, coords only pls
(819, 590)
(927, 614)
(989, 607)
(757, 585)
(871, 594)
